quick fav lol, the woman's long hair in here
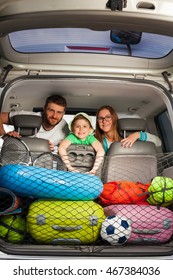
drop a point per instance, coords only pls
(99, 134)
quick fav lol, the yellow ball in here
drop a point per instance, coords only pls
(12, 228)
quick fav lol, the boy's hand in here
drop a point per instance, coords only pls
(92, 171)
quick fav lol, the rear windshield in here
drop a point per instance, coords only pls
(115, 42)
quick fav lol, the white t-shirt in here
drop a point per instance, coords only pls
(55, 135)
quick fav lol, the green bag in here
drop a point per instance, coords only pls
(161, 191)
(12, 228)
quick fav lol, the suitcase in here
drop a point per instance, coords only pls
(149, 223)
(65, 222)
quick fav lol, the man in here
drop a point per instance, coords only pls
(54, 128)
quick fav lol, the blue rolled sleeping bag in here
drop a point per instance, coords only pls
(40, 182)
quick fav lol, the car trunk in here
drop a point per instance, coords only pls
(87, 93)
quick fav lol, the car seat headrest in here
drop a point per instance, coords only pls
(27, 125)
(138, 148)
(127, 126)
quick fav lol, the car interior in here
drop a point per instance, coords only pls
(95, 56)
(135, 103)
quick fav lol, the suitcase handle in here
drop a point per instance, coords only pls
(146, 231)
(66, 228)
(66, 240)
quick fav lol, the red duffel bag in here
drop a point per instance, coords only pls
(124, 192)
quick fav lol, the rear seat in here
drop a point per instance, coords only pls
(128, 126)
(27, 126)
(168, 172)
(136, 164)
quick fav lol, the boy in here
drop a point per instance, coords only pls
(81, 133)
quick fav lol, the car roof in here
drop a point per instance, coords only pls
(149, 18)
(94, 68)
(93, 14)
(18, 15)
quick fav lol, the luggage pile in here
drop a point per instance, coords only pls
(40, 205)
(146, 207)
(59, 205)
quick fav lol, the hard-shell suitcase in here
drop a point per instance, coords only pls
(149, 223)
(65, 222)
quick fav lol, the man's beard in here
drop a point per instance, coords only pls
(50, 122)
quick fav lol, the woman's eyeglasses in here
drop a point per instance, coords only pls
(106, 118)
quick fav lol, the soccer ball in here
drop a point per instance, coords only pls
(116, 230)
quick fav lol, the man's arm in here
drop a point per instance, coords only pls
(3, 120)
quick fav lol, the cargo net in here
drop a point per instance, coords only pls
(129, 201)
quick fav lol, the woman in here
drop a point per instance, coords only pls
(107, 130)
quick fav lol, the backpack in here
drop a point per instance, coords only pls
(124, 192)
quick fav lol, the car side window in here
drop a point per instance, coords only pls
(165, 130)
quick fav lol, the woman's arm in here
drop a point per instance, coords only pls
(142, 136)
